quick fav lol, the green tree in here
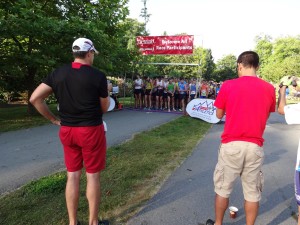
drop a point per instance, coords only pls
(36, 36)
(225, 68)
(264, 48)
(207, 64)
(284, 59)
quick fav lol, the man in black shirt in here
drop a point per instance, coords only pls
(82, 95)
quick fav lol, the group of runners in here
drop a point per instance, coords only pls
(171, 94)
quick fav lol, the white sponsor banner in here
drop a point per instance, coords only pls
(292, 113)
(112, 104)
(203, 109)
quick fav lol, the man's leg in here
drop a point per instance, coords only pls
(72, 195)
(93, 196)
(252, 181)
(221, 204)
(298, 215)
(227, 170)
(251, 211)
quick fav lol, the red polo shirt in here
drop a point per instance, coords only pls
(247, 101)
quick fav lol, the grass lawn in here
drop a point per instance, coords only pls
(16, 117)
(135, 171)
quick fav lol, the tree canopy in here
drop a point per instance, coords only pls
(36, 37)
(278, 58)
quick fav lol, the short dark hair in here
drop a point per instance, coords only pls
(249, 59)
(80, 55)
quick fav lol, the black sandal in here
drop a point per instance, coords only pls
(210, 222)
(103, 222)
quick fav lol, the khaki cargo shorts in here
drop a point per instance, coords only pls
(244, 159)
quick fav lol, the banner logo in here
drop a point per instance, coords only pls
(203, 109)
(165, 45)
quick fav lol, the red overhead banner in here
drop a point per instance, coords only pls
(165, 45)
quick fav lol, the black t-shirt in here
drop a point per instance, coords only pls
(78, 89)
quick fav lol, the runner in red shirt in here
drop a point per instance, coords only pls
(247, 102)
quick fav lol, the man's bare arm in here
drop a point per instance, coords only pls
(220, 113)
(37, 99)
(281, 100)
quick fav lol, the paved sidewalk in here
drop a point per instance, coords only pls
(187, 197)
(35, 152)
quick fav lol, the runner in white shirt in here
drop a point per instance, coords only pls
(159, 94)
(138, 83)
(165, 94)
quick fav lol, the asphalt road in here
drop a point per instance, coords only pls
(187, 197)
(32, 153)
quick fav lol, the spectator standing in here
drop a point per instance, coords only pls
(82, 94)
(241, 152)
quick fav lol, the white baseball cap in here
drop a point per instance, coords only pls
(83, 45)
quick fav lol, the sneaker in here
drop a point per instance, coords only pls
(161, 109)
(210, 222)
(103, 222)
(174, 110)
(180, 110)
(169, 110)
(145, 108)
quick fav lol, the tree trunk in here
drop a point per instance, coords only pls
(30, 88)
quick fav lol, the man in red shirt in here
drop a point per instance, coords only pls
(247, 102)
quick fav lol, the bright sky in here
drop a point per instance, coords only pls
(224, 26)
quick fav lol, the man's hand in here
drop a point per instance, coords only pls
(286, 81)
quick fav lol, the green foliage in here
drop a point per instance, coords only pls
(278, 58)
(39, 34)
(264, 48)
(202, 57)
(36, 37)
(225, 69)
(16, 117)
(51, 185)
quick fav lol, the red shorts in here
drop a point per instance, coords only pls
(84, 145)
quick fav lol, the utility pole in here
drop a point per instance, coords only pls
(144, 14)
